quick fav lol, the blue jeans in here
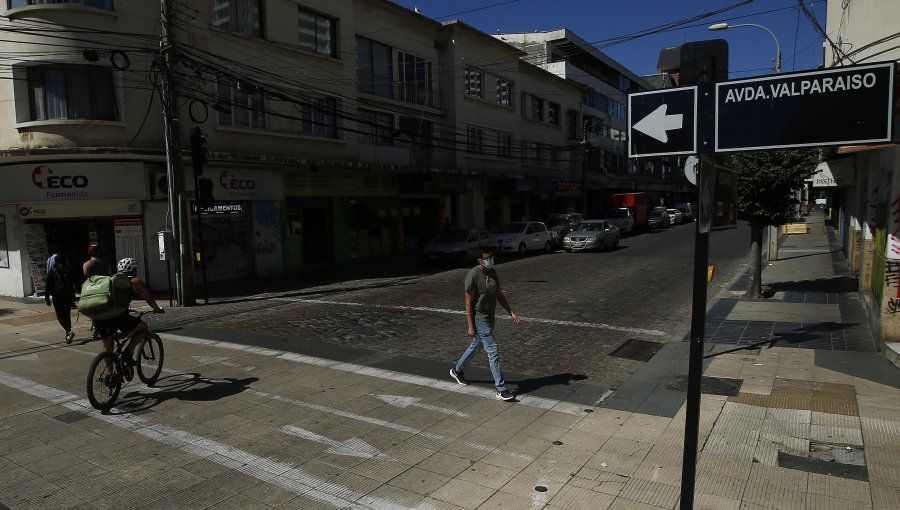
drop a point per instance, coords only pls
(484, 335)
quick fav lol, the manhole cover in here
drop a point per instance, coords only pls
(709, 385)
(70, 417)
(638, 350)
(823, 467)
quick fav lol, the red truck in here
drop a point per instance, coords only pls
(628, 211)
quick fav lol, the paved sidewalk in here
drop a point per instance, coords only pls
(798, 412)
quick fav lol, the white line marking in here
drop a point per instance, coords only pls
(390, 375)
(268, 470)
(602, 398)
(221, 360)
(353, 447)
(441, 438)
(595, 325)
(404, 402)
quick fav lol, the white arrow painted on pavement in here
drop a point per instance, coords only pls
(658, 122)
(207, 360)
(353, 447)
(404, 402)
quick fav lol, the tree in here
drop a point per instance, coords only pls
(767, 182)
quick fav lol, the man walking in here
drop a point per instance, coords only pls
(482, 286)
(61, 289)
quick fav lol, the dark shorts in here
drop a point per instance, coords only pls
(124, 322)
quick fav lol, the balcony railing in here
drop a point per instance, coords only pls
(412, 157)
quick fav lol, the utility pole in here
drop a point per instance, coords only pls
(184, 281)
(586, 149)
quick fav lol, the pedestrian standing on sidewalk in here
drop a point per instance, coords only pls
(96, 265)
(61, 288)
(482, 286)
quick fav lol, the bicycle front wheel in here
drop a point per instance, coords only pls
(104, 381)
(150, 359)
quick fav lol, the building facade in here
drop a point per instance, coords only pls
(861, 184)
(336, 131)
(604, 104)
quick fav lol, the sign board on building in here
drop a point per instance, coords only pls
(662, 122)
(830, 174)
(75, 209)
(841, 106)
(67, 182)
(219, 207)
(240, 184)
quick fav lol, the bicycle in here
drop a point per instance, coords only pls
(109, 369)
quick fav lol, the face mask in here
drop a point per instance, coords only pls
(488, 263)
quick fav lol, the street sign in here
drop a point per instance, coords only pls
(662, 122)
(841, 106)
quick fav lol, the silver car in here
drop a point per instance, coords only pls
(459, 245)
(592, 235)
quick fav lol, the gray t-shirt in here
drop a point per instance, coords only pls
(486, 286)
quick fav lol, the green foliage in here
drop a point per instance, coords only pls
(767, 182)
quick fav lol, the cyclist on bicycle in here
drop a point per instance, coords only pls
(125, 322)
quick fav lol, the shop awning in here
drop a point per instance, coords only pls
(847, 149)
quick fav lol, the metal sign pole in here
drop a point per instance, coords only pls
(706, 176)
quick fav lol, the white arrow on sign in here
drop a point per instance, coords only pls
(404, 402)
(658, 122)
(353, 447)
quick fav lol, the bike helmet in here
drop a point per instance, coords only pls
(128, 265)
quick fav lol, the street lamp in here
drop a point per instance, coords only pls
(726, 26)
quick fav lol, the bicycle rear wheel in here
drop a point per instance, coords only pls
(104, 381)
(150, 359)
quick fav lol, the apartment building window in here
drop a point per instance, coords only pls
(504, 92)
(241, 16)
(376, 128)
(316, 33)
(504, 144)
(553, 113)
(473, 83)
(572, 124)
(617, 109)
(531, 152)
(374, 72)
(72, 92)
(475, 140)
(245, 109)
(319, 117)
(537, 108)
(415, 79)
(99, 4)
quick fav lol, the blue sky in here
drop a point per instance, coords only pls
(751, 50)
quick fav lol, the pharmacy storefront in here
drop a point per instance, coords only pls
(66, 207)
(242, 233)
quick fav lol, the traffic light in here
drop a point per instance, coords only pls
(199, 150)
(204, 192)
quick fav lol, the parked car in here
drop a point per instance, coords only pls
(621, 217)
(561, 224)
(522, 236)
(687, 211)
(675, 216)
(459, 245)
(592, 235)
(659, 219)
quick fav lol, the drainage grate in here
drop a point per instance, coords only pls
(638, 350)
(823, 467)
(709, 385)
(69, 417)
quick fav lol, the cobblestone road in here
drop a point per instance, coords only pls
(576, 307)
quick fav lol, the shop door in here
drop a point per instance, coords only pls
(129, 235)
(316, 241)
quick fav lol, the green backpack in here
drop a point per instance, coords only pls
(105, 297)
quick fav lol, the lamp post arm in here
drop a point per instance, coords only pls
(774, 38)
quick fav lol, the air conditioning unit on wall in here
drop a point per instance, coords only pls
(159, 185)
